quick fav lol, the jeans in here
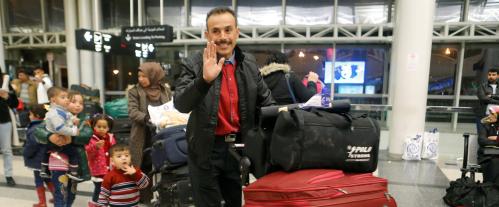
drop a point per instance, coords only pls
(64, 194)
(95, 196)
(5, 146)
(39, 180)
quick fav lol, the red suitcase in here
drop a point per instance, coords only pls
(318, 187)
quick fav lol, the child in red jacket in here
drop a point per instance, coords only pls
(122, 184)
(97, 152)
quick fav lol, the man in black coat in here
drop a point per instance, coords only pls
(222, 88)
(488, 93)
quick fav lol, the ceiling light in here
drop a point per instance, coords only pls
(447, 51)
(316, 57)
(301, 54)
(115, 72)
(130, 73)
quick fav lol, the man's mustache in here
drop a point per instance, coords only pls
(222, 41)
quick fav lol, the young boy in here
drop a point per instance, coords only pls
(42, 77)
(33, 153)
(122, 184)
(59, 121)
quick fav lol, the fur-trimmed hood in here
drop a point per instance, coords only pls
(274, 67)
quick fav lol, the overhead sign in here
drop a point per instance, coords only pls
(107, 43)
(96, 41)
(149, 34)
(144, 50)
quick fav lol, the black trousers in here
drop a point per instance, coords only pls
(221, 182)
(490, 170)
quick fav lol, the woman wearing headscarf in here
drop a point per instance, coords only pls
(150, 90)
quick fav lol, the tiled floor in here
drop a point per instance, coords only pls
(412, 183)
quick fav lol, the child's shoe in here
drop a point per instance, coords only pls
(40, 191)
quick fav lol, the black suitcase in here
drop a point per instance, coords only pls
(121, 130)
(321, 139)
(174, 189)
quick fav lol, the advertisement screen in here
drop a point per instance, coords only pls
(345, 72)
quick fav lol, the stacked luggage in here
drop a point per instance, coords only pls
(301, 157)
(315, 157)
(169, 159)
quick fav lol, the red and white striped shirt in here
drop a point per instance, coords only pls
(122, 190)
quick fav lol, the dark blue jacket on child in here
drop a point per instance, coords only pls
(33, 151)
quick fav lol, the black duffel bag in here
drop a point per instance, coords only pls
(318, 138)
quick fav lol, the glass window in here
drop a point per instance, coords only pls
(300, 12)
(483, 10)
(200, 8)
(24, 16)
(448, 10)
(127, 72)
(366, 64)
(443, 67)
(360, 70)
(259, 12)
(260, 52)
(173, 11)
(363, 11)
(478, 59)
(55, 15)
(306, 58)
(115, 13)
(170, 58)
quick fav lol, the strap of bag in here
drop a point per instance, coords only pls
(289, 88)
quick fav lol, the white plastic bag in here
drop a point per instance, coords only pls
(5, 83)
(166, 115)
(412, 147)
(430, 145)
(41, 94)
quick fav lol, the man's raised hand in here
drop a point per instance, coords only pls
(210, 67)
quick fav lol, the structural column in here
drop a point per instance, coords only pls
(98, 57)
(2, 51)
(410, 68)
(86, 57)
(72, 56)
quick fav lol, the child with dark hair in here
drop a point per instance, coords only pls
(60, 121)
(33, 153)
(122, 184)
(97, 152)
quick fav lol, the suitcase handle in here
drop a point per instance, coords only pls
(244, 162)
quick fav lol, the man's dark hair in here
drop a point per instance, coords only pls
(118, 148)
(40, 68)
(493, 70)
(38, 110)
(277, 57)
(55, 90)
(220, 10)
(22, 70)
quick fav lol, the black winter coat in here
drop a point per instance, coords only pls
(33, 151)
(274, 76)
(483, 96)
(193, 94)
(11, 102)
